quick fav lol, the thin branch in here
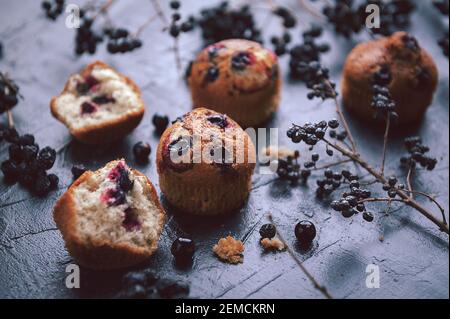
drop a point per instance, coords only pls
(403, 195)
(409, 182)
(176, 47)
(382, 200)
(319, 168)
(316, 284)
(308, 7)
(343, 119)
(103, 9)
(431, 198)
(385, 143)
(10, 119)
(145, 25)
(160, 12)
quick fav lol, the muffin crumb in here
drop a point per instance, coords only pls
(273, 244)
(230, 250)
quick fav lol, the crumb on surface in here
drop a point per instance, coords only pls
(230, 250)
(273, 244)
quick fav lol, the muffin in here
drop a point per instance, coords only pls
(239, 78)
(111, 218)
(99, 105)
(414, 76)
(205, 164)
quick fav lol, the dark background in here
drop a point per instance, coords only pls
(413, 257)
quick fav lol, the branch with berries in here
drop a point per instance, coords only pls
(354, 200)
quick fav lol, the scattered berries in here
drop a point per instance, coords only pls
(183, 249)
(142, 152)
(161, 123)
(305, 232)
(268, 231)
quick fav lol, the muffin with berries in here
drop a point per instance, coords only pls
(205, 164)
(111, 218)
(414, 77)
(239, 78)
(99, 105)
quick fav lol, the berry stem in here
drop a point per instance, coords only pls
(160, 12)
(103, 9)
(342, 118)
(308, 7)
(319, 168)
(382, 179)
(145, 25)
(431, 198)
(409, 182)
(311, 278)
(385, 143)
(176, 47)
(10, 119)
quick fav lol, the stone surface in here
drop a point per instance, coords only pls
(413, 258)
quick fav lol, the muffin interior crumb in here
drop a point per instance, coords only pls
(230, 250)
(104, 216)
(102, 96)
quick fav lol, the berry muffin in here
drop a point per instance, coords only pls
(99, 105)
(414, 76)
(239, 78)
(205, 164)
(111, 218)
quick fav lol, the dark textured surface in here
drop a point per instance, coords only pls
(413, 257)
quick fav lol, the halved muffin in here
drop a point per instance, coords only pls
(111, 218)
(99, 105)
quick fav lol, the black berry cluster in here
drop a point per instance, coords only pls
(27, 164)
(344, 17)
(442, 6)
(310, 133)
(417, 154)
(395, 15)
(317, 79)
(352, 202)
(382, 102)
(289, 20)
(289, 169)
(121, 41)
(281, 43)
(222, 22)
(392, 187)
(176, 26)
(147, 285)
(349, 18)
(53, 9)
(307, 52)
(9, 93)
(86, 39)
